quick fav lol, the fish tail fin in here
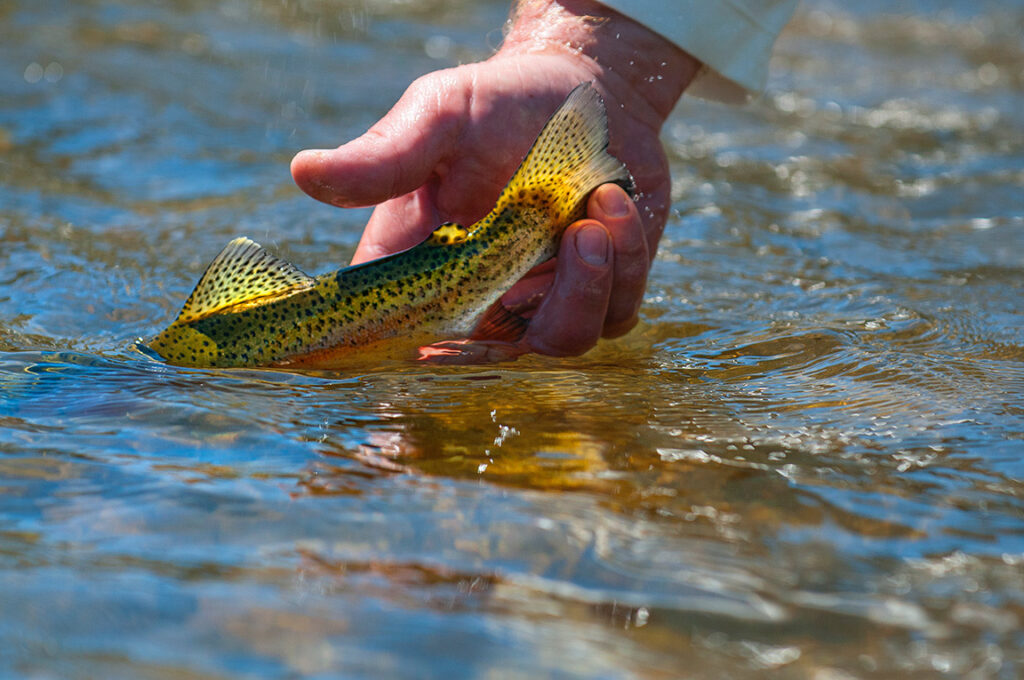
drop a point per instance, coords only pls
(568, 160)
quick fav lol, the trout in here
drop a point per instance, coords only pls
(251, 308)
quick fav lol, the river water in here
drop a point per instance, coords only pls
(807, 459)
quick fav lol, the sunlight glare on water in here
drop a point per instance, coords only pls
(806, 459)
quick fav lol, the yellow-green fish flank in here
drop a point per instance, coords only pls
(253, 309)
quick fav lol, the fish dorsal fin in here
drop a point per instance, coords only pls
(448, 234)
(242, 273)
(568, 160)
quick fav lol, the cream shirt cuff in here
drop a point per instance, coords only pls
(732, 38)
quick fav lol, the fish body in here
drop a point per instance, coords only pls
(251, 308)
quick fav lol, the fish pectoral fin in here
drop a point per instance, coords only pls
(242, 272)
(448, 234)
(499, 324)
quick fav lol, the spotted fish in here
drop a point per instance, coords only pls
(251, 308)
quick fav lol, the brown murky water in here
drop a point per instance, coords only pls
(807, 459)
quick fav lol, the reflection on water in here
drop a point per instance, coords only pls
(806, 458)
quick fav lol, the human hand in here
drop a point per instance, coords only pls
(600, 275)
(447, 148)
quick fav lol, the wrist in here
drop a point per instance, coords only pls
(631, 62)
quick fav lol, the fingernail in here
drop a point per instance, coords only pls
(592, 244)
(613, 202)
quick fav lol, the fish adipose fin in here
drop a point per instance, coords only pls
(569, 159)
(242, 273)
(448, 234)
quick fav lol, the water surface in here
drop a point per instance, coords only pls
(806, 459)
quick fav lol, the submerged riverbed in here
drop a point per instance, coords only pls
(807, 458)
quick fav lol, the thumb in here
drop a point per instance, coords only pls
(392, 158)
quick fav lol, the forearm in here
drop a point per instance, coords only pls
(635, 64)
(732, 38)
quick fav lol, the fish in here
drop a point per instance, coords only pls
(253, 309)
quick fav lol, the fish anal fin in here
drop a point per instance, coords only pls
(499, 324)
(448, 234)
(242, 273)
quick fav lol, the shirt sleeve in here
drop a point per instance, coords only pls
(732, 38)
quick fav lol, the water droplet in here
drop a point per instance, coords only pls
(54, 72)
(988, 73)
(33, 72)
(438, 46)
(193, 44)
